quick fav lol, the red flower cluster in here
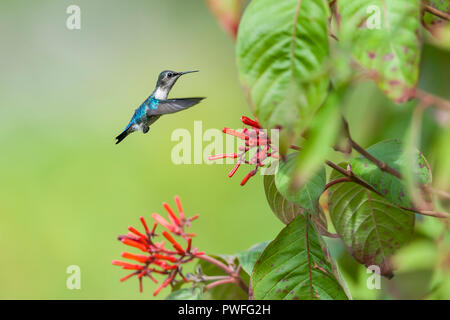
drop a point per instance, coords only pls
(157, 258)
(255, 140)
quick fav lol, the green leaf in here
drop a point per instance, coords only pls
(248, 258)
(321, 136)
(193, 293)
(281, 50)
(285, 210)
(392, 188)
(384, 37)
(371, 227)
(294, 266)
(308, 195)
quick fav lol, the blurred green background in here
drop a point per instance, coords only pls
(67, 190)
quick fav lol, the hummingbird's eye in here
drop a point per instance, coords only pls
(170, 74)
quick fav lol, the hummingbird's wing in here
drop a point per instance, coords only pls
(172, 105)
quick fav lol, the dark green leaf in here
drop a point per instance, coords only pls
(308, 195)
(392, 188)
(295, 266)
(285, 210)
(371, 227)
(248, 258)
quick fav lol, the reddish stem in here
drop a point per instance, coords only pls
(218, 283)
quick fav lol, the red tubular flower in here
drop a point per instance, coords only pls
(233, 171)
(165, 283)
(157, 258)
(232, 132)
(144, 224)
(137, 257)
(133, 230)
(255, 139)
(179, 207)
(247, 177)
(189, 241)
(163, 222)
(175, 244)
(221, 156)
(172, 216)
(250, 122)
(134, 243)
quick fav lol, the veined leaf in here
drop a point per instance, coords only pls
(308, 195)
(294, 266)
(281, 50)
(392, 188)
(285, 210)
(384, 37)
(248, 258)
(371, 227)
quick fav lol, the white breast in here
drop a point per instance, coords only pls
(161, 94)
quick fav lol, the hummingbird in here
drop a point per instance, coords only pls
(157, 104)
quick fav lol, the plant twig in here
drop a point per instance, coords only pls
(436, 12)
(430, 99)
(332, 183)
(351, 175)
(216, 262)
(353, 178)
(440, 193)
(380, 164)
(218, 283)
(234, 274)
(436, 214)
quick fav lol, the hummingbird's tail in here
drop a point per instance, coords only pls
(123, 135)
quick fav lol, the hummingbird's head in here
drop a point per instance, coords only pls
(167, 79)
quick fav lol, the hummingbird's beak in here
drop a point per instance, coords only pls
(181, 73)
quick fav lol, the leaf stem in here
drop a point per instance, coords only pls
(218, 283)
(380, 164)
(430, 99)
(332, 183)
(353, 178)
(350, 175)
(440, 193)
(436, 12)
(234, 274)
(216, 262)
